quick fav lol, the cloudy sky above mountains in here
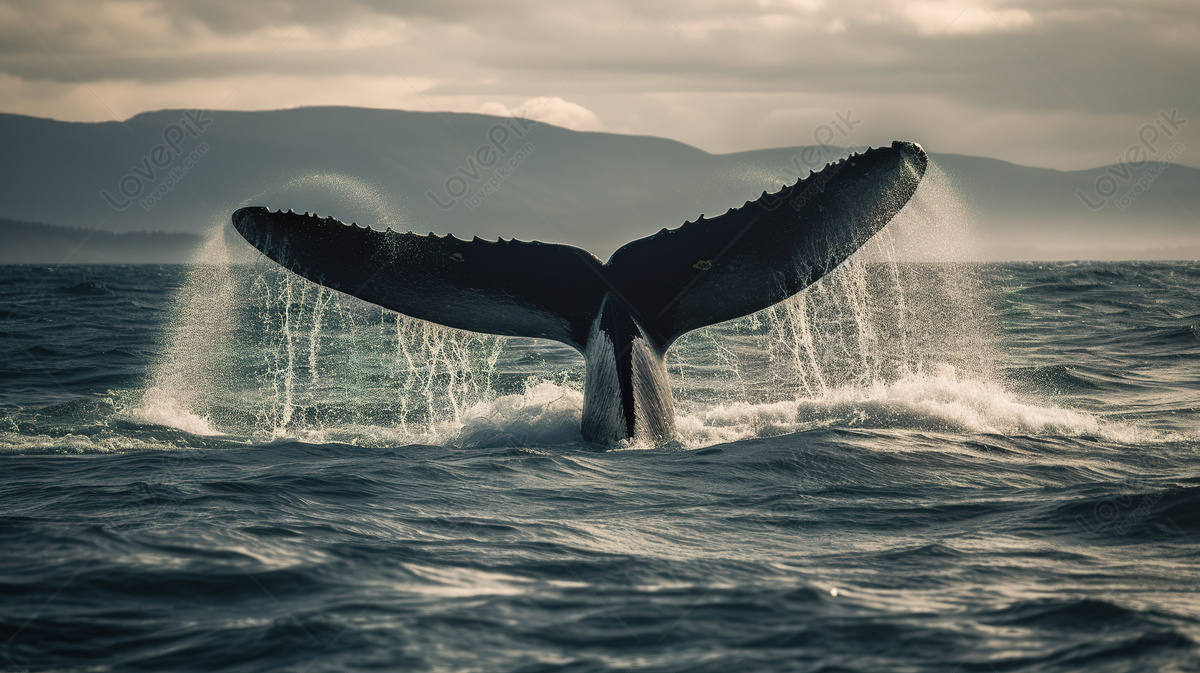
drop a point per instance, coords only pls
(1058, 83)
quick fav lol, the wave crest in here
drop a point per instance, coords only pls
(942, 402)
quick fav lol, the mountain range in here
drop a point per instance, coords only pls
(185, 171)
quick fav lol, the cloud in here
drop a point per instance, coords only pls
(936, 18)
(553, 110)
(719, 74)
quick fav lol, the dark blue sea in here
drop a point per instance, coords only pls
(909, 467)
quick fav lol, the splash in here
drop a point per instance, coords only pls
(159, 407)
(899, 307)
(256, 351)
(200, 326)
(259, 351)
(545, 414)
(344, 196)
(900, 336)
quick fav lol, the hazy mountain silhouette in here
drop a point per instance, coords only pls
(39, 243)
(453, 173)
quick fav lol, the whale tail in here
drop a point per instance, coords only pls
(622, 314)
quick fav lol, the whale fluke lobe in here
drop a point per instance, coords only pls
(622, 314)
(512, 288)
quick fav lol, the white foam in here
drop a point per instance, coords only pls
(15, 442)
(158, 407)
(545, 414)
(942, 401)
(548, 414)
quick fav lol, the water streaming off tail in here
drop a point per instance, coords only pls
(255, 350)
(906, 304)
(278, 356)
(901, 335)
(900, 331)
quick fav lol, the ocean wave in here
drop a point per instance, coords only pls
(1050, 378)
(87, 289)
(548, 414)
(71, 443)
(942, 401)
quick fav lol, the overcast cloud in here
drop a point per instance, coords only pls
(1058, 83)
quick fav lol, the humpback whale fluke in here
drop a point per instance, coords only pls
(622, 314)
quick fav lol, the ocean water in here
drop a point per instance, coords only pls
(909, 467)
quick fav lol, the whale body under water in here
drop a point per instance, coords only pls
(623, 314)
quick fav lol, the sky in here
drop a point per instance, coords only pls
(1064, 84)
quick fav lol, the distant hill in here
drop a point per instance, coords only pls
(38, 243)
(471, 174)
